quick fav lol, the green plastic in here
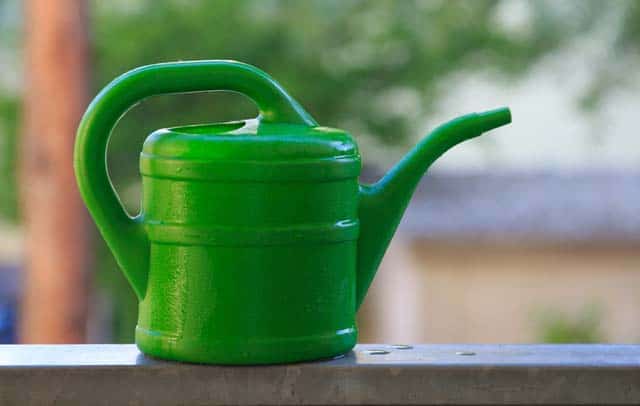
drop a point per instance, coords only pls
(255, 243)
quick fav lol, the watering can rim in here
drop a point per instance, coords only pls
(246, 141)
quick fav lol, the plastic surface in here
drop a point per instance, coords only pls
(250, 151)
(255, 243)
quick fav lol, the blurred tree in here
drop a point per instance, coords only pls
(372, 68)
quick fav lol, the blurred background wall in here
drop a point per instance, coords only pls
(528, 234)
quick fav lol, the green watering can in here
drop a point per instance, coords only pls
(255, 243)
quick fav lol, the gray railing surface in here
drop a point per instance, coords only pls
(369, 375)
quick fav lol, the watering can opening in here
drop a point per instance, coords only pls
(211, 128)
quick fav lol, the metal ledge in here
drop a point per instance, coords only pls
(424, 374)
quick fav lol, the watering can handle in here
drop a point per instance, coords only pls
(124, 234)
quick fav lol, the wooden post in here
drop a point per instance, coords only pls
(55, 222)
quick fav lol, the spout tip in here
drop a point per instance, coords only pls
(491, 119)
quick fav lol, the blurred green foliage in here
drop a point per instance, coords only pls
(9, 116)
(556, 326)
(346, 61)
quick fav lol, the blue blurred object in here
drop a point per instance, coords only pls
(8, 322)
(8, 303)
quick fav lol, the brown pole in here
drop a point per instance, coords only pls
(56, 235)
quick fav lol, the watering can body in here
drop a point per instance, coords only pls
(252, 240)
(255, 243)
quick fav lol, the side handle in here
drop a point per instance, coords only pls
(124, 234)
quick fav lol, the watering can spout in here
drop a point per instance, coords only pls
(383, 203)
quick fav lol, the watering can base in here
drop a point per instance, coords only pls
(240, 352)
